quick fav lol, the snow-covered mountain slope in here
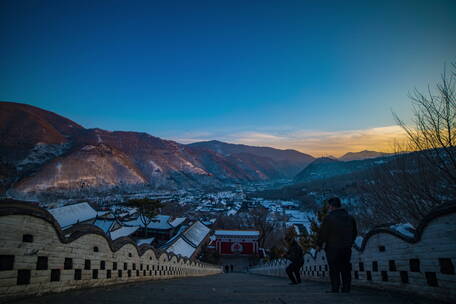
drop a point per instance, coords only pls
(42, 151)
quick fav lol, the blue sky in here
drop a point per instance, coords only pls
(278, 73)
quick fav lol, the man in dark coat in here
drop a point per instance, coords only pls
(338, 232)
(295, 255)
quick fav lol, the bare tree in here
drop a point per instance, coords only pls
(174, 209)
(434, 130)
(265, 222)
(410, 185)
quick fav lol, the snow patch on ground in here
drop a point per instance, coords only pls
(88, 148)
(186, 165)
(156, 168)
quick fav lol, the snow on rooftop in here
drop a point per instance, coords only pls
(159, 222)
(144, 241)
(132, 211)
(181, 247)
(104, 225)
(102, 213)
(237, 232)
(121, 215)
(299, 217)
(177, 221)
(312, 251)
(359, 241)
(124, 231)
(406, 229)
(196, 233)
(231, 212)
(72, 214)
(287, 203)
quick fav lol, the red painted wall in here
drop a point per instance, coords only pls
(248, 248)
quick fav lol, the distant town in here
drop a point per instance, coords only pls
(188, 223)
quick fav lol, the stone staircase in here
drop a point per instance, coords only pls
(231, 288)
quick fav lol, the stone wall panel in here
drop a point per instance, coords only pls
(17, 219)
(435, 239)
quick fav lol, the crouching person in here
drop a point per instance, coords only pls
(295, 255)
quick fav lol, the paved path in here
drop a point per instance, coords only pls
(233, 288)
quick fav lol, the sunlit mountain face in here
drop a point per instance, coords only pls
(42, 151)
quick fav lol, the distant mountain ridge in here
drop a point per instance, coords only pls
(323, 168)
(42, 151)
(288, 162)
(363, 155)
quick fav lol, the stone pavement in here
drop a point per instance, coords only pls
(239, 288)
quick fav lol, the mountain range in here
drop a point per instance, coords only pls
(324, 168)
(44, 152)
(366, 154)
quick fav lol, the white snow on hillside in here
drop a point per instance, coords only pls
(40, 154)
(156, 169)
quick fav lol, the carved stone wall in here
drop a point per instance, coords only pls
(423, 264)
(36, 257)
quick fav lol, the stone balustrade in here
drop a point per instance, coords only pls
(421, 263)
(36, 257)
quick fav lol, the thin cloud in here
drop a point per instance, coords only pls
(315, 142)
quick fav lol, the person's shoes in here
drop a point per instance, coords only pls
(332, 291)
(345, 290)
(293, 283)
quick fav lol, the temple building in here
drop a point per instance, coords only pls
(236, 242)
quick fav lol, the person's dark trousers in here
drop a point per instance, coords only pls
(293, 272)
(339, 267)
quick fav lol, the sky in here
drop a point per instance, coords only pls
(321, 77)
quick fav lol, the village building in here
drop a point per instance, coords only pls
(162, 227)
(70, 215)
(190, 241)
(236, 242)
(107, 225)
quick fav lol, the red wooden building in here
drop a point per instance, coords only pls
(237, 242)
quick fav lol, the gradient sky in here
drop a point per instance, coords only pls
(318, 76)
